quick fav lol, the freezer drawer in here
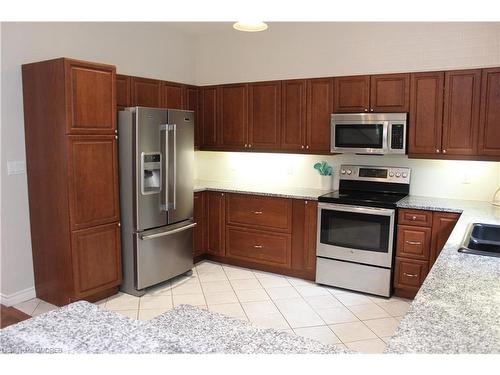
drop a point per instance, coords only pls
(163, 253)
(353, 276)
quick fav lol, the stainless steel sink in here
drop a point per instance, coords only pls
(482, 239)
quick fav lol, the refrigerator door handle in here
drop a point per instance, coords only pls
(167, 233)
(164, 204)
(174, 203)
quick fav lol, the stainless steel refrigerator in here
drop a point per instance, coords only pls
(156, 151)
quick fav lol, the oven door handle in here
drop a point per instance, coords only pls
(360, 209)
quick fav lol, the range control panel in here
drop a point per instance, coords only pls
(398, 175)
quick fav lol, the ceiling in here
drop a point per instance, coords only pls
(201, 28)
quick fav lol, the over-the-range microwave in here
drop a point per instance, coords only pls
(368, 133)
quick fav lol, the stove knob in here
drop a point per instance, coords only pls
(405, 175)
(398, 174)
(391, 174)
(349, 171)
(342, 171)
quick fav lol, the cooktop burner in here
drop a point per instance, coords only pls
(370, 186)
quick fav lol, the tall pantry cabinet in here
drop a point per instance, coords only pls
(72, 167)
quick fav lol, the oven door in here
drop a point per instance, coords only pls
(361, 137)
(356, 234)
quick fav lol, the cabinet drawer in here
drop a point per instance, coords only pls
(413, 242)
(415, 217)
(409, 273)
(259, 212)
(258, 246)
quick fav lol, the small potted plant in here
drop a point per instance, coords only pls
(325, 171)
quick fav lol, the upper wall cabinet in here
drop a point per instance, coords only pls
(192, 101)
(426, 113)
(92, 98)
(377, 93)
(233, 115)
(461, 112)
(264, 115)
(208, 117)
(293, 115)
(123, 91)
(173, 95)
(489, 120)
(319, 110)
(146, 92)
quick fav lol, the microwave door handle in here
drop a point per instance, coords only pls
(385, 145)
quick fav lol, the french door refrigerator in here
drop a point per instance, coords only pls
(156, 152)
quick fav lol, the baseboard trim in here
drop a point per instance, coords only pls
(17, 297)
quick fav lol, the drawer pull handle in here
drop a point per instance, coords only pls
(258, 246)
(410, 274)
(413, 242)
(257, 212)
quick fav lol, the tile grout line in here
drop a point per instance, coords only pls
(236, 294)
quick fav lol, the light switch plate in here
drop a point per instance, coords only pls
(16, 167)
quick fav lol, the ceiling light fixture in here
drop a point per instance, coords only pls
(251, 27)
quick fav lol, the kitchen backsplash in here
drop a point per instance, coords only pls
(440, 178)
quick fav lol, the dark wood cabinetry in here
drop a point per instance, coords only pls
(199, 217)
(426, 113)
(123, 91)
(293, 115)
(233, 116)
(420, 237)
(264, 115)
(377, 93)
(461, 112)
(216, 223)
(319, 110)
(173, 95)
(489, 120)
(146, 92)
(193, 104)
(305, 214)
(208, 118)
(71, 155)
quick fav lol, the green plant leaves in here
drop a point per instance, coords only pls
(323, 168)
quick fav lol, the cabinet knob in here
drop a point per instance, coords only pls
(221, 194)
(306, 202)
(437, 151)
(444, 151)
(307, 146)
(371, 109)
(250, 146)
(116, 137)
(116, 131)
(246, 145)
(366, 109)
(414, 218)
(119, 224)
(302, 146)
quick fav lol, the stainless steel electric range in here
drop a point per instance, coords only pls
(356, 228)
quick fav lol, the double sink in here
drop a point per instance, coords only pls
(482, 239)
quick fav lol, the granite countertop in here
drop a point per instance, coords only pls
(457, 309)
(283, 192)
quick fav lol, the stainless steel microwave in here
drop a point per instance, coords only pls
(368, 133)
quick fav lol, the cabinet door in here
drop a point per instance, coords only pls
(264, 120)
(413, 242)
(93, 180)
(233, 117)
(293, 115)
(173, 95)
(208, 112)
(319, 110)
(91, 96)
(123, 91)
(426, 113)
(409, 274)
(96, 258)
(352, 94)
(200, 220)
(192, 104)
(489, 123)
(304, 232)
(390, 93)
(461, 112)
(442, 226)
(215, 214)
(146, 92)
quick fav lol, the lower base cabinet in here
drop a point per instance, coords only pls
(266, 233)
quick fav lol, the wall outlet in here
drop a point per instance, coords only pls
(16, 167)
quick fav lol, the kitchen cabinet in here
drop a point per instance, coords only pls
(489, 120)
(199, 217)
(461, 112)
(72, 168)
(173, 95)
(264, 115)
(233, 116)
(146, 92)
(293, 115)
(304, 228)
(208, 117)
(215, 226)
(193, 104)
(319, 110)
(426, 113)
(420, 237)
(123, 91)
(376, 93)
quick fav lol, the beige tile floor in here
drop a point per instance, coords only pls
(333, 316)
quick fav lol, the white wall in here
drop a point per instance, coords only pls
(295, 50)
(436, 178)
(143, 49)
